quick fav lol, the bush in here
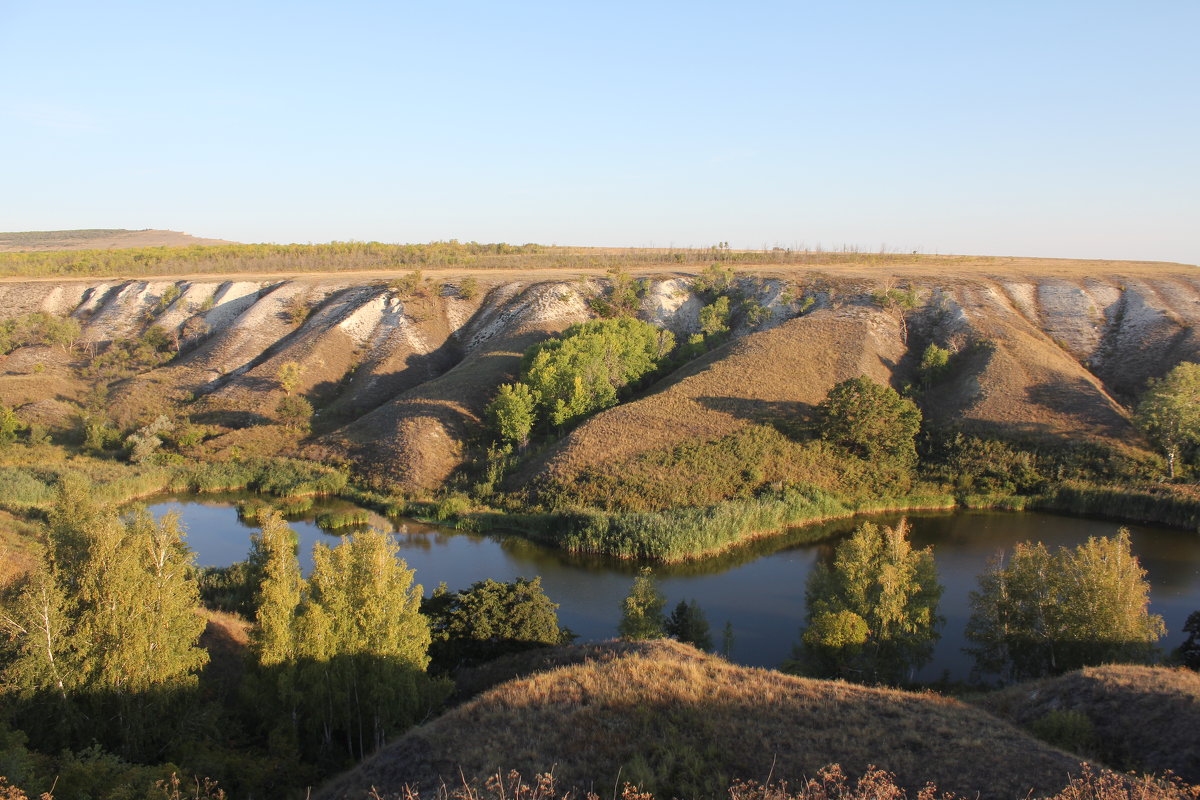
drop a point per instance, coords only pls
(1070, 730)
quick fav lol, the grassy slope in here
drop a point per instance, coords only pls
(1144, 718)
(683, 723)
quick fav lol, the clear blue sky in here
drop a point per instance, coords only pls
(1009, 128)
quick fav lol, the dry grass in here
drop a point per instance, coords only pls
(776, 374)
(1143, 718)
(678, 722)
(18, 551)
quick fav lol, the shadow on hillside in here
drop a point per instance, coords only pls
(779, 412)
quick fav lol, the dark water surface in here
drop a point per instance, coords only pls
(758, 588)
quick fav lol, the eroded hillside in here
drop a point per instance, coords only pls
(399, 374)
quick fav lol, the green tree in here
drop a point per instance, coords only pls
(512, 413)
(1189, 652)
(10, 425)
(1169, 412)
(714, 317)
(642, 609)
(877, 584)
(107, 625)
(687, 623)
(364, 646)
(870, 420)
(288, 376)
(935, 361)
(583, 371)
(1043, 613)
(295, 412)
(488, 620)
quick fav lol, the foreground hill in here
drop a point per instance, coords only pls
(98, 239)
(1137, 718)
(682, 723)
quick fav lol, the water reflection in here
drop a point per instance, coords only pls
(759, 588)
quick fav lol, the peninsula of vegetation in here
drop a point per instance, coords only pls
(651, 405)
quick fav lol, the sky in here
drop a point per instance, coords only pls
(1065, 129)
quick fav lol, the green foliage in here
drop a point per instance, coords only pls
(10, 425)
(37, 329)
(877, 585)
(334, 520)
(905, 299)
(468, 288)
(622, 297)
(364, 643)
(1169, 412)
(489, 620)
(288, 376)
(145, 441)
(1042, 613)
(166, 299)
(935, 363)
(295, 412)
(687, 623)
(512, 413)
(125, 357)
(642, 609)
(275, 570)
(408, 285)
(715, 280)
(714, 317)
(870, 420)
(584, 370)
(105, 625)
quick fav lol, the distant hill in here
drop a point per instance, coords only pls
(97, 239)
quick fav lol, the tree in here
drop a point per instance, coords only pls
(295, 412)
(288, 376)
(512, 413)
(583, 371)
(488, 620)
(1042, 613)
(1189, 651)
(10, 425)
(642, 609)
(870, 420)
(1169, 412)
(714, 317)
(363, 645)
(106, 625)
(687, 623)
(872, 612)
(935, 361)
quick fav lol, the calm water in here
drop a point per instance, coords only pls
(759, 589)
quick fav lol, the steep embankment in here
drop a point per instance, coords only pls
(400, 374)
(682, 723)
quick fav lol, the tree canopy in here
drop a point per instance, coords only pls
(1169, 412)
(642, 609)
(872, 612)
(564, 379)
(488, 620)
(1042, 613)
(870, 420)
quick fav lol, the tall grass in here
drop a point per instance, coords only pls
(690, 533)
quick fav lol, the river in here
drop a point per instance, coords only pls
(759, 589)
